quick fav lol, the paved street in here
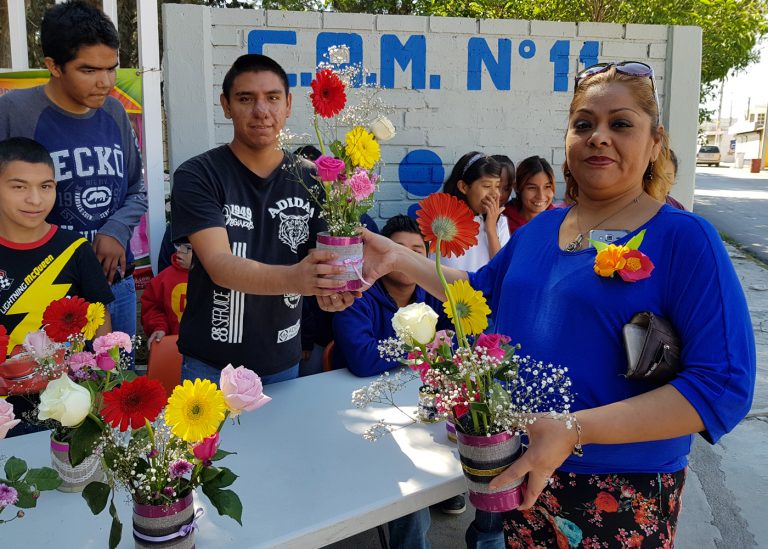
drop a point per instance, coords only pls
(736, 202)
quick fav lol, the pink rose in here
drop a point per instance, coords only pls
(39, 344)
(637, 267)
(78, 361)
(105, 343)
(206, 448)
(329, 168)
(362, 184)
(492, 344)
(242, 389)
(105, 362)
(7, 420)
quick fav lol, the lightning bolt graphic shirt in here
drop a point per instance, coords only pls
(272, 220)
(62, 263)
(96, 159)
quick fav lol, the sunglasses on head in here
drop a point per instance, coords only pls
(627, 68)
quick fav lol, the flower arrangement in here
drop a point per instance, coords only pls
(159, 450)
(349, 161)
(478, 379)
(628, 261)
(21, 486)
(71, 403)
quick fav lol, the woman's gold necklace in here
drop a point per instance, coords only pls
(575, 244)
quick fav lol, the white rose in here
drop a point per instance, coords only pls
(382, 128)
(65, 401)
(415, 323)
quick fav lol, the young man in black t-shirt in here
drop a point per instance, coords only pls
(251, 224)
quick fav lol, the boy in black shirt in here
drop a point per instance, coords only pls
(39, 263)
(251, 224)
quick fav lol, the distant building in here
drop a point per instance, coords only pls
(749, 135)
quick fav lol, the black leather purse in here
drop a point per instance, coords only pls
(653, 349)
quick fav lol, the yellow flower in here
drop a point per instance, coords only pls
(195, 411)
(94, 318)
(610, 260)
(471, 307)
(362, 148)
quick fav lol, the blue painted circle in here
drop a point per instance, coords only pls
(412, 209)
(421, 172)
(527, 49)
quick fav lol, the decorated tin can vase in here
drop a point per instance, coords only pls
(350, 252)
(450, 428)
(482, 459)
(427, 408)
(77, 477)
(165, 526)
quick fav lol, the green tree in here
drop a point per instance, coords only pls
(730, 28)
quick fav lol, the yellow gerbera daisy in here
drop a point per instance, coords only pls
(195, 411)
(471, 307)
(94, 318)
(362, 147)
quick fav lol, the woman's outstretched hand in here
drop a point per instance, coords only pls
(379, 256)
(550, 444)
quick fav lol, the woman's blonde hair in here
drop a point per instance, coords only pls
(655, 181)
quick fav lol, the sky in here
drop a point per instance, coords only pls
(751, 84)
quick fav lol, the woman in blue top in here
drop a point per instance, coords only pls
(625, 490)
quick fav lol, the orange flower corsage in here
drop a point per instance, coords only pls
(627, 260)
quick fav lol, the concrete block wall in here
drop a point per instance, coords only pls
(455, 84)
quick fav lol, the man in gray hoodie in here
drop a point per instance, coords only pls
(100, 187)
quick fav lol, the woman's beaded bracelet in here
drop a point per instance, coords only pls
(578, 449)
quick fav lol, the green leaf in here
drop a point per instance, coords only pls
(209, 473)
(498, 396)
(26, 500)
(599, 246)
(337, 148)
(226, 503)
(222, 480)
(635, 241)
(15, 468)
(221, 454)
(43, 478)
(116, 531)
(96, 495)
(83, 441)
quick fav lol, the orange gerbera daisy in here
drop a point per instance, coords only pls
(446, 217)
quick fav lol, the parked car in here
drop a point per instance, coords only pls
(708, 154)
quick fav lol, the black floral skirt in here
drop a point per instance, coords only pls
(600, 511)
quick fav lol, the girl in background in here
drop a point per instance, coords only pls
(507, 178)
(476, 179)
(534, 190)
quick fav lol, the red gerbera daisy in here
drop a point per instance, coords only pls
(134, 402)
(328, 95)
(446, 217)
(65, 317)
(4, 339)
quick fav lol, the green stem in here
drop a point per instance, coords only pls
(460, 337)
(319, 137)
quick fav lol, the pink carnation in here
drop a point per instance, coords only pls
(103, 344)
(78, 361)
(329, 168)
(8, 496)
(362, 184)
(179, 468)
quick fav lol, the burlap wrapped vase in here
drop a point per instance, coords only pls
(165, 526)
(78, 477)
